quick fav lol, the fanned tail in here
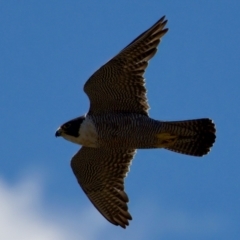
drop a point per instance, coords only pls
(191, 137)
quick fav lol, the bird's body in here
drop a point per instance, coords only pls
(118, 123)
(127, 131)
(111, 130)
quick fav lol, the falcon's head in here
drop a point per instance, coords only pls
(71, 129)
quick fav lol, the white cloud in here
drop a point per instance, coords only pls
(22, 216)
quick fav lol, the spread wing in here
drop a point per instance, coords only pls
(101, 172)
(118, 86)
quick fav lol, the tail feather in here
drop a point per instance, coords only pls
(194, 137)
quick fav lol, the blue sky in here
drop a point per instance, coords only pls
(49, 49)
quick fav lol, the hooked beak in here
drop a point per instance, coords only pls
(58, 132)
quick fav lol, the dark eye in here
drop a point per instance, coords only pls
(66, 126)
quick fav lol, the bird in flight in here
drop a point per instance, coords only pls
(118, 123)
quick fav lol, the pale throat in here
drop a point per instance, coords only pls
(88, 136)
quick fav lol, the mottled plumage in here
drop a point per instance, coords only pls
(118, 123)
(101, 173)
(121, 79)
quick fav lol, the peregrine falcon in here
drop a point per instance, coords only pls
(118, 123)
